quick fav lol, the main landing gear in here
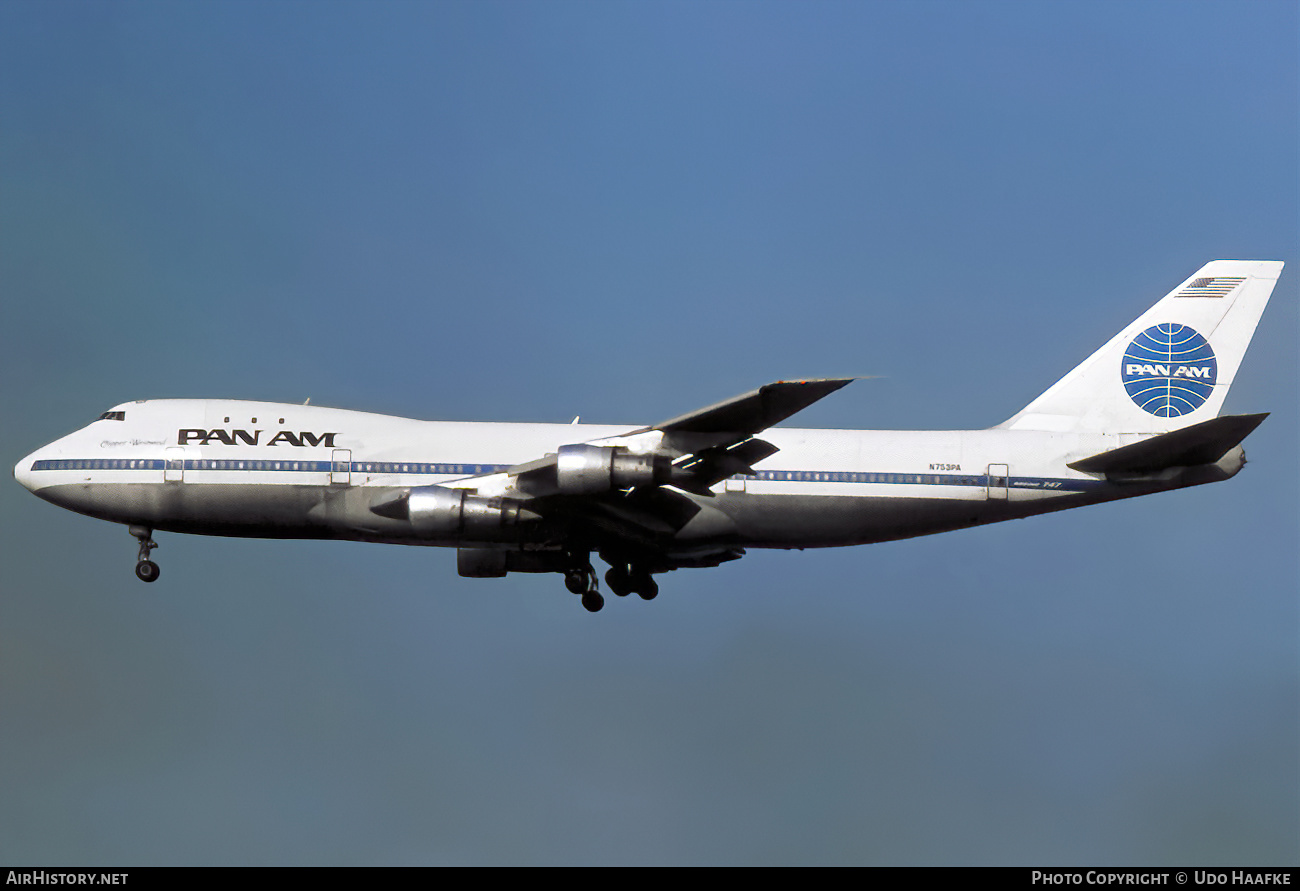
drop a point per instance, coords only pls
(145, 569)
(623, 579)
(581, 580)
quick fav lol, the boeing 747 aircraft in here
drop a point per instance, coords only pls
(1140, 415)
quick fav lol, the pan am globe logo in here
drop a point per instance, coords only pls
(1169, 370)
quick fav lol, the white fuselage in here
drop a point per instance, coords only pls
(228, 467)
(1142, 414)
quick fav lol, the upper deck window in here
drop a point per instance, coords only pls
(112, 416)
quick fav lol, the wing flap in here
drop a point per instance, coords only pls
(713, 465)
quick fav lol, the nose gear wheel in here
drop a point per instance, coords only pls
(145, 569)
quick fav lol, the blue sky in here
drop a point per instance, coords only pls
(503, 211)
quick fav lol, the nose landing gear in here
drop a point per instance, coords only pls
(145, 569)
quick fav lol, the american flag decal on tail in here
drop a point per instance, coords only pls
(1220, 286)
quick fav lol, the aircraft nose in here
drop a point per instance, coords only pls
(23, 470)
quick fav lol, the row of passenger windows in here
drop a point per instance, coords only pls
(808, 476)
(258, 465)
(100, 464)
(802, 476)
(302, 466)
(463, 469)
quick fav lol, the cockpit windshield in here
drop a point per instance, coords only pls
(112, 416)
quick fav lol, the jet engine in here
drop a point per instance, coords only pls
(589, 470)
(439, 511)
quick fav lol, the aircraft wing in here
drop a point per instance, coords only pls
(628, 492)
(755, 411)
(704, 446)
(718, 441)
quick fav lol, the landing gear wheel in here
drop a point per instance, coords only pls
(619, 580)
(145, 569)
(645, 586)
(580, 579)
(576, 581)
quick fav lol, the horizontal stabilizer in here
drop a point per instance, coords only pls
(1203, 443)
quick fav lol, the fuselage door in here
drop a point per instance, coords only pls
(341, 467)
(999, 480)
(173, 465)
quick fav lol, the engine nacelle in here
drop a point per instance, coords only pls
(481, 563)
(493, 563)
(589, 470)
(442, 512)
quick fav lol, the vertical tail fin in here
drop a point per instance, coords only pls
(1169, 368)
